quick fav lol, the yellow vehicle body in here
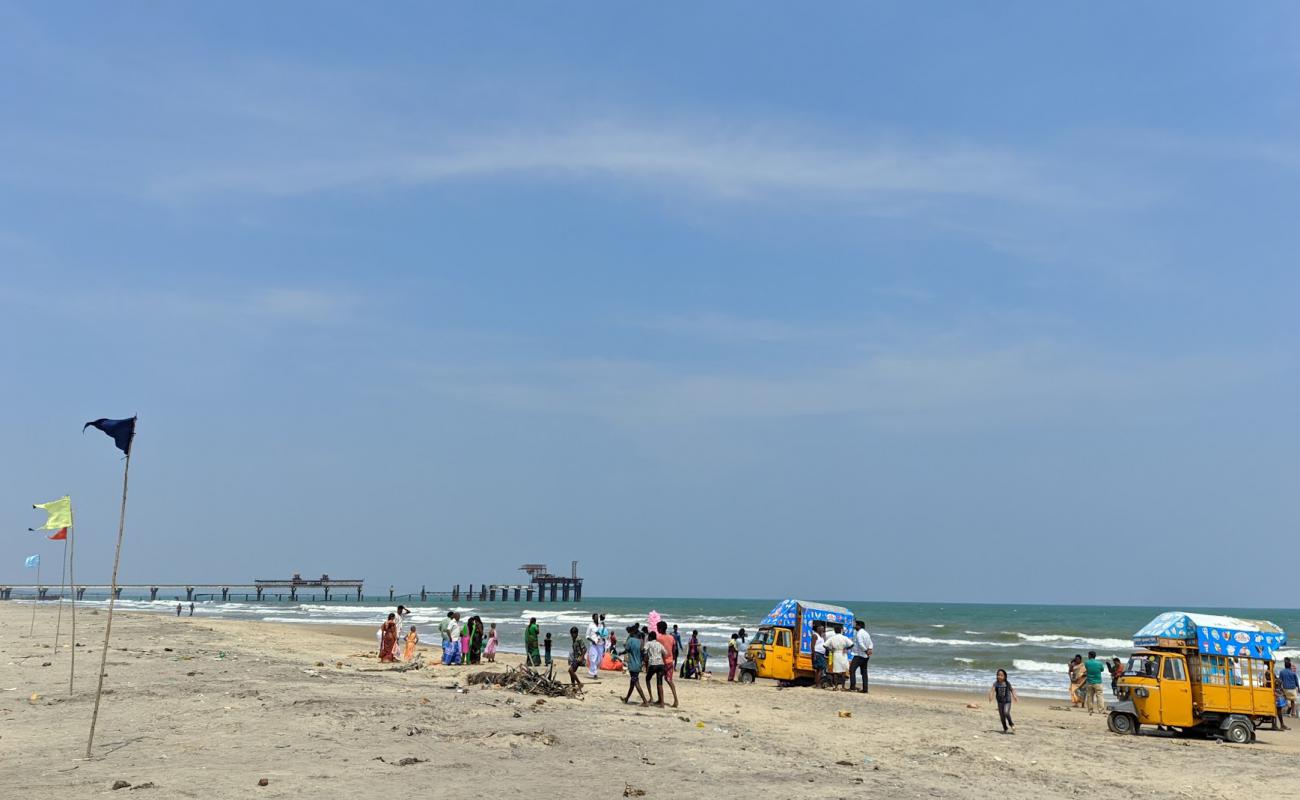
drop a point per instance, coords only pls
(781, 649)
(1174, 683)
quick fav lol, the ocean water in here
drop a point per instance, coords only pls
(945, 646)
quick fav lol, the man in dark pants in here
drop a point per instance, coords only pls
(862, 647)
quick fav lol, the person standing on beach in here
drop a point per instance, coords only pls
(412, 639)
(577, 656)
(595, 643)
(444, 627)
(654, 670)
(388, 638)
(1116, 669)
(1077, 676)
(819, 654)
(464, 639)
(863, 647)
(451, 647)
(1093, 696)
(1003, 692)
(178, 609)
(837, 649)
(490, 651)
(668, 642)
(547, 644)
(632, 659)
(191, 608)
(1286, 678)
(733, 656)
(530, 643)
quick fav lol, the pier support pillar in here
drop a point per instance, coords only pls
(565, 592)
(516, 594)
(118, 593)
(259, 593)
(492, 594)
(455, 592)
(153, 592)
(189, 592)
(358, 594)
(81, 593)
(424, 596)
(41, 592)
(577, 592)
(553, 588)
(327, 594)
(390, 594)
(293, 592)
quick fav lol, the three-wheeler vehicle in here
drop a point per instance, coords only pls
(782, 648)
(1199, 673)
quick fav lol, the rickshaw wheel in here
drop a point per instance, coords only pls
(1238, 732)
(1123, 724)
(746, 676)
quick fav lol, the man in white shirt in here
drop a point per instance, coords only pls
(862, 647)
(595, 646)
(819, 655)
(451, 651)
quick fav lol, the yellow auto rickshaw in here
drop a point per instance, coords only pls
(782, 648)
(1199, 672)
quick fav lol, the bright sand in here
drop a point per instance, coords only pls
(196, 724)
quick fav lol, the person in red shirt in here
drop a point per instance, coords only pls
(668, 643)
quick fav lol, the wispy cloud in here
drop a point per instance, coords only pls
(272, 305)
(956, 389)
(719, 160)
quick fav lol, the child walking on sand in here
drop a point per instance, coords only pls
(490, 651)
(1005, 695)
(577, 657)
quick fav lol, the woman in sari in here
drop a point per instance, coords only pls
(692, 667)
(475, 640)
(388, 638)
(464, 640)
(412, 639)
(1078, 675)
(491, 650)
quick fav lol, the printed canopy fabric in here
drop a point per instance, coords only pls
(786, 612)
(1214, 634)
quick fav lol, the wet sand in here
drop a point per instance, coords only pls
(202, 708)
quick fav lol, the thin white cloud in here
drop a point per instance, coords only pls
(958, 389)
(720, 161)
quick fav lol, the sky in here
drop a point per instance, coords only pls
(885, 301)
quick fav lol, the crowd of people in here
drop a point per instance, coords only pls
(656, 655)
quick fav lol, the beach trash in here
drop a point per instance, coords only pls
(121, 785)
(845, 714)
(699, 724)
(35, 698)
(263, 782)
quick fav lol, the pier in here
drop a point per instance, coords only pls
(542, 586)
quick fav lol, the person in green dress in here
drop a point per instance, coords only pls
(530, 643)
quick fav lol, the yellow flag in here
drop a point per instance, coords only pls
(60, 512)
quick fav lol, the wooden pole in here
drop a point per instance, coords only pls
(112, 598)
(63, 579)
(36, 597)
(72, 587)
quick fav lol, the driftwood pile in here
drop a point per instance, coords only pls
(526, 681)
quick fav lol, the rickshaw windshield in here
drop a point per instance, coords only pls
(1144, 666)
(763, 637)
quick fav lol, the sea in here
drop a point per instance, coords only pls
(935, 645)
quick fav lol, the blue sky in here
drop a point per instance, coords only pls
(872, 300)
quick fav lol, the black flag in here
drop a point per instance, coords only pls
(122, 431)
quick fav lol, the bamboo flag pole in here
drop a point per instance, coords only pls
(72, 587)
(112, 597)
(63, 580)
(36, 596)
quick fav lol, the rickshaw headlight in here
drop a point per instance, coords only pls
(1141, 691)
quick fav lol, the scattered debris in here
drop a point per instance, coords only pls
(409, 760)
(973, 706)
(630, 791)
(526, 681)
(121, 785)
(845, 714)
(263, 782)
(145, 785)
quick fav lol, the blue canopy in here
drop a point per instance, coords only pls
(1214, 634)
(783, 616)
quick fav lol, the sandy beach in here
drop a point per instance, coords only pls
(202, 708)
